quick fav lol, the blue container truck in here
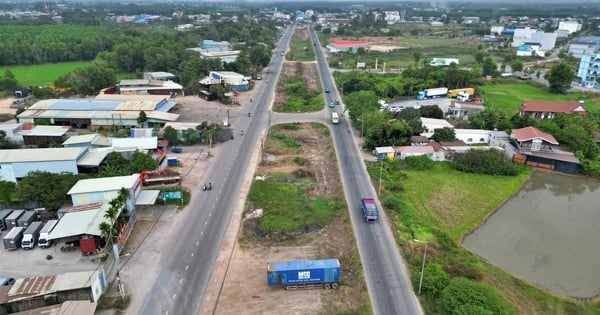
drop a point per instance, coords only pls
(322, 273)
(369, 208)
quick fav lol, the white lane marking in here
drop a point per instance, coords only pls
(202, 233)
(187, 266)
(205, 222)
(174, 295)
(180, 280)
(210, 214)
(192, 255)
(197, 243)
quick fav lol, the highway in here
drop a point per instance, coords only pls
(188, 260)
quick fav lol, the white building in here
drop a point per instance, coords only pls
(589, 70)
(473, 136)
(522, 35)
(430, 124)
(496, 29)
(570, 26)
(538, 44)
(392, 17)
(16, 164)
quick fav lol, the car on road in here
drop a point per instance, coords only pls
(327, 90)
(331, 104)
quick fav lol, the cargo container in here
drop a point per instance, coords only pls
(26, 218)
(11, 220)
(43, 241)
(3, 215)
(432, 93)
(12, 240)
(369, 208)
(323, 273)
(31, 235)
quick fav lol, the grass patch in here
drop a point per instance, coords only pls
(508, 97)
(301, 50)
(441, 205)
(299, 98)
(41, 75)
(287, 207)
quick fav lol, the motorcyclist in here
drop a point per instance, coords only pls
(204, 187)
(248, 114)
(209, 186)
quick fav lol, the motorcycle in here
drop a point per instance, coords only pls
(204, 187)
(209, 186)
(248, 114)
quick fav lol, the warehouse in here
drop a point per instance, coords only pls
(17, 163)
(93, 114)
(234, 81)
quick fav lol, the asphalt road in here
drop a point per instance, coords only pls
(389, 285)
(188, 262)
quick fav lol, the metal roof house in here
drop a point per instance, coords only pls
(16, 164)
(233, 80)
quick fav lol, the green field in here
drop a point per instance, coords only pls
(40, 75)
(441, 205)
(508, 97)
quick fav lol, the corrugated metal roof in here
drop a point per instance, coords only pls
(77, 308)
(181, 125)
(146, 143)
(80, 223)
(73, 280)
(93, 158)
(84, 104)
(162, 116)
(46, 131)
(137, 105)
(79, 139)
(39, 155)
(129, 97)
(44, 104)
(28, 287)
(103, 184)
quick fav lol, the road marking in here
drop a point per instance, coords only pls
(174, 295)
(180, 280)
(187, 266)
(210, 214)
(198, 242)
(167, 313)
(202, 233)
(205, 222)
(192, 255)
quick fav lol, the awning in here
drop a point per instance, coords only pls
(147, 197)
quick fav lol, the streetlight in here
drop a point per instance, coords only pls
(380, 173)
(423, 265)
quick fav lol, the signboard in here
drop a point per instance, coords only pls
(360, 65)
(171, 195)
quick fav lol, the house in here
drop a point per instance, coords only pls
(38, 135)
(570, 26)
(17, 163)
(408, 151)
(533, 139)
(74, 292)
(430, 124)
(419, 140)
(470, 20)
(589, 69)
(472, 136)
(384, 152)
(234, 81)
(160, 75)
(540, 149)
(549, 109)
(464, 111)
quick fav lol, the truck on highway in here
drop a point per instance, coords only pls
(455, 92)
(31, 235)
(43, 241)
(335, 118)
(12, 240)
(432, 93)
(369, 209)
(321, 273)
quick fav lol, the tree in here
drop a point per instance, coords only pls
(142, 118)
(171, 135)
(488, 119)
(412, 117)
(560, 78)
(463, 295)
(8, 83)
(141, 162)
(7, 191)
(49, 189)
(520, 121)
(517, 66)
(360, 102)
(576, 138)
(444, 134)
(431, 111)
(417, 56)
(489, 67)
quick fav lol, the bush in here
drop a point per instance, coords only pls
(463, 296)
(421, 162)
(434, 280)
(490, 162)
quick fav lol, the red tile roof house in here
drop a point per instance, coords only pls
(406, 151)
(544, 109)
(541, 149)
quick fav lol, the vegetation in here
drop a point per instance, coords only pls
(560, 78)
(117, 165)
(47, 188)
(490, 162)
(301, 50)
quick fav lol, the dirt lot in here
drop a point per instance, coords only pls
(253, 251)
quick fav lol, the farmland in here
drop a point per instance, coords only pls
(40, 75)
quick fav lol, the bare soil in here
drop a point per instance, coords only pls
(254, 250)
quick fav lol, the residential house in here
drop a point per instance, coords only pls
(419, 140)
(160, 75)
(384, 152)
(473, 136)
(430, 124)
(233, 80)
(464, 111)
(540, 149)
(408, 151)
(152, 87)
(549, 109)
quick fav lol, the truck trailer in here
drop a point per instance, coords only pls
(11, 220)
(432, 93)
(12, 240)
(322, 273)
(31, 235)
(369, 209)
(26, 219)
(3, 215)
(455, 92)
(43, 241)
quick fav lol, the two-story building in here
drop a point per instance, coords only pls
(549, 109)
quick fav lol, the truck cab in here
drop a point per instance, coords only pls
(369, 208)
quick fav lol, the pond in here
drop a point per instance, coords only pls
(547, 234)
